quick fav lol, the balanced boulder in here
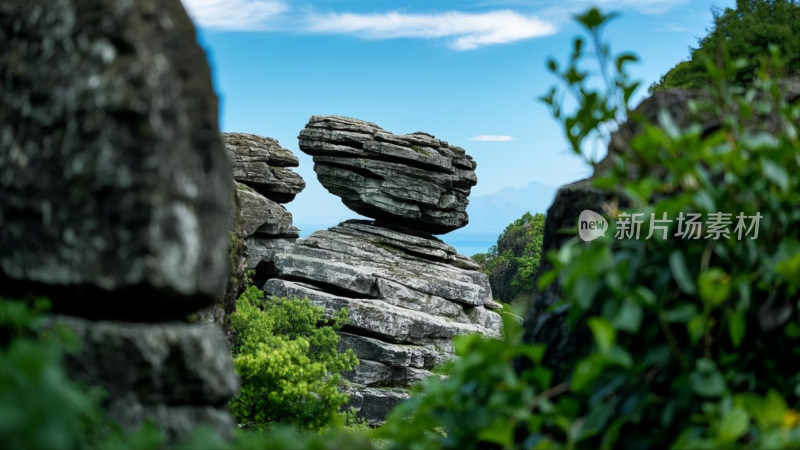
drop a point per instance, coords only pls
(415, 179)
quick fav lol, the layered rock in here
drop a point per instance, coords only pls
(114, 184)
(115, 198)
(262, 164)
(261, 167)
(413, 179)
(407, 293)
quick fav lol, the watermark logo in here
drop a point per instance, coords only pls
(591, 225)
(713, 226)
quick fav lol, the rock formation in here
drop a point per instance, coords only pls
(413, 179)
(262, 169)
(115, 198)
(407, 292)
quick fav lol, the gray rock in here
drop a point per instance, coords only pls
(261, 215)
(426, 356)
(114, 184)
(178, 375)
(376, 374)
(262, 164)
(378, 318)
(414, 179)
(353, 256)
(374, 404)
(260, 254)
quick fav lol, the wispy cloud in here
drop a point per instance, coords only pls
(492, 138)
(239, 15)
(463, 31)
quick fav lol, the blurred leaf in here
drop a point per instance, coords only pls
(679, 271)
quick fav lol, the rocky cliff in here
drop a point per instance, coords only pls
(115, 199)
(407, 292)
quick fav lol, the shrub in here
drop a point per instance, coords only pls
(693, 343)
(746, 32)
(288, 364)
(512, 263)
(40, 407)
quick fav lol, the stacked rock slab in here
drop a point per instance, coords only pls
(413, 179)
(407, 292)
(262, 171)
(115, 198)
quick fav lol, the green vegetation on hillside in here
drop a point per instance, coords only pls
(747, 32)
(511, 264)
(288, 362)
(688, 343)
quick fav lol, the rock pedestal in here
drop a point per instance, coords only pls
(115, 199)
(407, 293)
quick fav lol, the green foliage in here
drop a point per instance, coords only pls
(512, 263)
(746, 32)
(40, 407)
(288, 364)
(481, 401)
(691, 343)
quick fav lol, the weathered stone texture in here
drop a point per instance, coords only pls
(414, 179)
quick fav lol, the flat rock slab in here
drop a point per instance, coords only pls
(366, 260)
(115, 189)
(261, 163)
(414, 179)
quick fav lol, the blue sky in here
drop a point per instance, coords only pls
(468, 72)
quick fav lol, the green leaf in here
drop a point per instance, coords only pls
(733, 425)
(679, 271)
(696, 328)
(714, 286)
(736, 328)
(592, 18)
(629, 317)
(775, 172)
(586, 371)
(625, 58)
(604, 333)
(682, 313)
(619, 356)
(706, 381)
(501, 432)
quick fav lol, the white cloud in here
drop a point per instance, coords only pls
(464, 31)
(492, 138)
(239, 15)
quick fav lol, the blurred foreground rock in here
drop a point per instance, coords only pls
(115, 199)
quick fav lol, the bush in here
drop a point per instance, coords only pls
(289, 366)
(40, 407)
(693, 343)
(512, 263)
(746, 32)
